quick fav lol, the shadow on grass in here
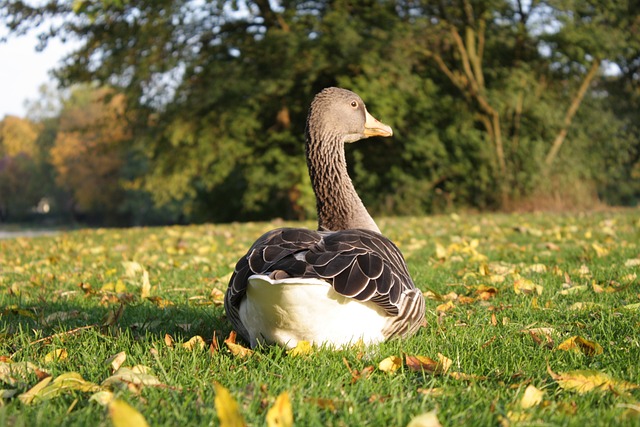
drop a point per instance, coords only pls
(41, 323)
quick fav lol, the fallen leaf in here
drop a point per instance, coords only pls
(195, 342)
(526, 287)
(600, 250)
(168, 340)
(28, 396)
(145, 288)
(124, 415)
(390, 364)
(328, 404)
(236, 349)
(227, 408)
(49, 387)
(445, 307)
(632, 262)
(532, 397)
(280, 414)
(583, 381)
(56, 355)
(423, 363)
(116, 361)
(102, 397)
(574, 290)
(581, 345)
(430, 419)
(131, 268)
(9, 370)
(301, 349)
(137, 376)
(435, 392)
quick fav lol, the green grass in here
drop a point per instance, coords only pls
(51, 287)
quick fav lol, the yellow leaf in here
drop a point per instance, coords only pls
(124, 415)
(28, 396)
(168, 340)
(526, 287)
(280, 414)
(574, 290)
(583, 381)
(145, 291)
(600, 251)
(102, 397)
(430, 419)
(131, 269)
(531, 397)
(227, 408)
(236, 349)
(581, 345)
(302, 348)
(441, 251)
(56, 355)
(390, 364)
(194, 342)
(138, 375)
(445, 307)
(116, 360)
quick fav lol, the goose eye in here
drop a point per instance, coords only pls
(354, 104)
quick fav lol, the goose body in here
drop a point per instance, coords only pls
(341, 284)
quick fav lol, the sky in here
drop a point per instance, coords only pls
(23, 70)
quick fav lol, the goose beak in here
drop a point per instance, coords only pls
(373, 127)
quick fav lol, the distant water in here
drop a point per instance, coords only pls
(5, 234)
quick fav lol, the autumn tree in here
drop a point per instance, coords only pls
(89, 149)
(20, 167)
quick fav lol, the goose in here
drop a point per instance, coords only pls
(341, 284)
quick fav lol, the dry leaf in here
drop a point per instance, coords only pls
(301, 349)
(227, 408)
(195, 342)
(124, 415)
(445, 307)
(583, 381)
(526, 287)
(116, 360)
(131, 269)
(236, 349)
(139, 375)
(581, 345)
(574, 290)
(280, 414)
(531, 397)
(145, 291)
(168, 340)
(49, 387)
(430, 419)
(28, 396)
(423, 363)
(390, 364)
(102, 397)
(56, 355)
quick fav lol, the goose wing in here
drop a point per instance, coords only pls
(359, 264)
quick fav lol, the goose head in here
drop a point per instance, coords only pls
(339, 114)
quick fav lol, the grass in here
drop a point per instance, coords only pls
(65, 292)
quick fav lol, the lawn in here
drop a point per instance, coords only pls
(532, 319)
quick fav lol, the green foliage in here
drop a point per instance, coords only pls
(480, 94)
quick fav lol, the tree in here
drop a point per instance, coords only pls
(20, 167)
(88, 152)
(492, 101)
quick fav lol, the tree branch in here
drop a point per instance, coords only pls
(571, 112)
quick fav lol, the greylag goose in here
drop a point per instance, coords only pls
(341, 284)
